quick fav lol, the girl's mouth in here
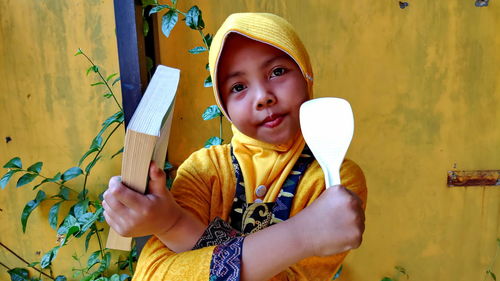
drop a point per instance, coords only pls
(273, 120)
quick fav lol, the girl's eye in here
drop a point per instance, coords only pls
(237, 88)
(278, 72)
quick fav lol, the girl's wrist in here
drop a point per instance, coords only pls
(301, 237)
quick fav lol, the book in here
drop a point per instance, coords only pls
(146, 138)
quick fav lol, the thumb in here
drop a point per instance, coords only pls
(157, 179)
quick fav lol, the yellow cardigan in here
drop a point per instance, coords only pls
(205, 186)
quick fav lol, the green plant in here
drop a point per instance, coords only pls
(400, 271)
(489, 270)
(194, 20)
(84, 220)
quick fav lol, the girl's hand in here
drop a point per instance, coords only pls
(133, 214)
(333, 223)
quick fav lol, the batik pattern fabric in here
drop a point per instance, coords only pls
(251, 217)
(248, 218)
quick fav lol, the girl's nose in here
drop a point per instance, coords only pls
(265, 98)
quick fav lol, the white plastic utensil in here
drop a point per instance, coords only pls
(327, 125)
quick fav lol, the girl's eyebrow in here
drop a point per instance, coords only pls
(273, 59)
(263, 65)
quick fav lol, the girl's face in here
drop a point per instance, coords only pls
(261, 88)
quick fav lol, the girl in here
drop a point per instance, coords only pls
(255, 209)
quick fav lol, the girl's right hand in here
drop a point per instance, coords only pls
(332, 224)
(133, 214)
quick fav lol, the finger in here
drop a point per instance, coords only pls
(118, 192)
(111, 203)
(113, 222)
(157, 180)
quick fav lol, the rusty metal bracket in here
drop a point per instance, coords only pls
(474, 178)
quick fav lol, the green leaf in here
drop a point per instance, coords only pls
(111, 76)
(197, 50)
(114, 277)
(78, 52)
(33, 264)
(213, 141)
(69, 221)
(105, 262)
(89, 218)
(63, 193)
(174, 2)
(18, 274)
(107, 95)
(194, 19)
(89, 69)
(60, 278)
(25, 179)
(91, 164)
(145, 27)
(71, 231)
(102, 278)
(6, 178)
(124, 277)
(208, 82)
(167, 166)
(14, 163)
(115, 81)
(36, 168)
(54, 179)
(149, 64)
(158, 8)
(208, 39)
(96, 142)
(80, 208)
(83, 194)
(95, 68)
(92, 150)
(91, 277)
(30, 206)
(211, 112)
(337, 275)
(118, 152)
(87, 239)
(168, 22)
(49, 257)
(115, 118)
(53, 214)
(86, 221)
(146, 3)
(386, 279)
(493, 276)
(97, 83)
(71, 173)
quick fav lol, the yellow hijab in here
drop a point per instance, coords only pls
(262, 163)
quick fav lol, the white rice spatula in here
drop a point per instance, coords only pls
(327, 125)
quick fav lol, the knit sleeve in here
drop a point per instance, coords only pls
(197, 189)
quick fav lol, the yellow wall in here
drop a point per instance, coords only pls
(49, 110)
(423, 83)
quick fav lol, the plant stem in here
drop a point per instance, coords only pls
(95, 157)
(60, 184)
(25, 261)
(103, 80)
(94, 227)
(492, 262)
(8, 268)
(220, 127)
(204, 40)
